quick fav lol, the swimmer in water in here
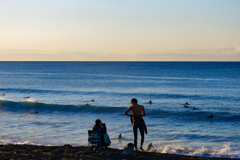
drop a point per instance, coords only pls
(87, 104)
(27, 97)
(193, 108)
(35, 112)
(150, 146)
(185, 106)
(150, 102)
(92, 100)
(211, 116)
(186, 103)
(2, 94)
(119, 136)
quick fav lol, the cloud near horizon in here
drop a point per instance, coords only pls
(237, 48)
(193, 54)
(198, 51)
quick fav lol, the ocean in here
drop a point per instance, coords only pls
(59, 92)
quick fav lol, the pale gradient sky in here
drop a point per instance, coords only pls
(124, 30)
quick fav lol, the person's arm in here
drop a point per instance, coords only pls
(126, 112)
(143, 112)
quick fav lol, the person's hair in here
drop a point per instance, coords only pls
(97, 123)
(129, 145)
(134, 100)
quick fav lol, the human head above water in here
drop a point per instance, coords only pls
(134, 100)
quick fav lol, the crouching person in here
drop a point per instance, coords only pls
(129, 149)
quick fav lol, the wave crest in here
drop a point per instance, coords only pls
(226, 151)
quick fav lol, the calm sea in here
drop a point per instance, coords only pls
(62, 89)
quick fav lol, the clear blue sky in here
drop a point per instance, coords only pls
(126, 30)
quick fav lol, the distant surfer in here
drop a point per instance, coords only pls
(87, 104)
(185, 106)
(27, 97)
(2, 94)
(92, 100)
(211, 116)
(150, 102)
(34, 112)
(186, 103)
(193, 108)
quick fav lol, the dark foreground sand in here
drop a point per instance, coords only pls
(67, 152)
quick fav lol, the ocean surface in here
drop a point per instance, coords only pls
(62, 90)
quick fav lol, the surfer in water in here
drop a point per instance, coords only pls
(137, 121)
(27, 97)
(211, 116)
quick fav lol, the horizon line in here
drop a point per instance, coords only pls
(118, 61)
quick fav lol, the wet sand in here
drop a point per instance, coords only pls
(67, 152)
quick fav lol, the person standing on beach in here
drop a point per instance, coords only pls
(137, 121)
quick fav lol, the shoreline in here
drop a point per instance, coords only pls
(69, 152)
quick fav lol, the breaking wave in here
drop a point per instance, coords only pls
(225, 151)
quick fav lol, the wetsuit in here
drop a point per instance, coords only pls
(137, 122)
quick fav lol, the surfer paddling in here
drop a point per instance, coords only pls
(27, 97)
(137, 121)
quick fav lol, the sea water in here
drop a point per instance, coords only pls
(59, 92)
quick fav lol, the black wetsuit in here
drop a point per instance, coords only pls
(138, 123)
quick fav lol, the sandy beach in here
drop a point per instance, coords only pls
(67, 152)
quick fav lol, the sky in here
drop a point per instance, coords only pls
(124, 30)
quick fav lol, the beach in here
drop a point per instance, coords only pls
(44, 103)
(160, 76)
(68, 152)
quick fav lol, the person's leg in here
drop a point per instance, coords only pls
(141, 129)
(135, 136)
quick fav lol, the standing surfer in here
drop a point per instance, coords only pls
(137, 121)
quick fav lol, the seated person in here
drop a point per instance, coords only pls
(129, 149)
(102, 127)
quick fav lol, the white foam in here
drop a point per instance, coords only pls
(226, 151)
(12, 141)
(31, 100)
